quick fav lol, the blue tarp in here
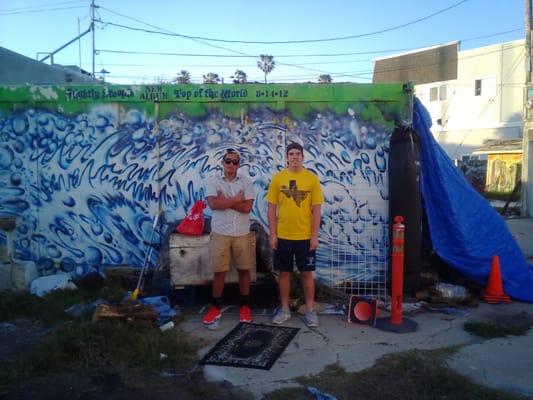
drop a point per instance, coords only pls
(465, 230)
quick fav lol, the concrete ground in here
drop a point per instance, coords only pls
(522, 230)
(505, 363)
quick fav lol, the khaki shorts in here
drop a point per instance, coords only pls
(223, 249)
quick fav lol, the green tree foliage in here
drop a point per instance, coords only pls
(239, 77)
(266, 64)
(184, 77)
(325, 78)
(211, 77)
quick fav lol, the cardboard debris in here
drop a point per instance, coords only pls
(135, 312)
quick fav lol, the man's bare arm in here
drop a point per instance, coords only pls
(273, 225)
(315, 226)
(244, 206)
(220, 202)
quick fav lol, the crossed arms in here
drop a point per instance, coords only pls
(237, 202)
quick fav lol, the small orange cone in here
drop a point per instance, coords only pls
(494, 293)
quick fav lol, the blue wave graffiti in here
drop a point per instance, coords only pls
(85, 188)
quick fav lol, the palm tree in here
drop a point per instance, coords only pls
(211, 77)
(239, 77)
(183, 77)
(325, 78)
(266, 64)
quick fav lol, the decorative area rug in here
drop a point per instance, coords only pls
(251, 346)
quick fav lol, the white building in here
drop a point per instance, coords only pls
(485, 102)
(472, 95)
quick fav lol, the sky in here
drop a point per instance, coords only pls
(360, 32)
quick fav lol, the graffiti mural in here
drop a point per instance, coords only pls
(86, 169)
(503, 172)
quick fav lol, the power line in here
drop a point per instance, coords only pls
(174, 54)
(253, 56)
(226, 65)
(40, 10)
(493, 34)
(393, 28)
(236, 53)
(205, 40)
(223, 48)
(49, 4)
(350, 74)
(239, 56)
(300, 55)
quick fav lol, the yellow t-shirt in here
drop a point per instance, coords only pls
(294, 194)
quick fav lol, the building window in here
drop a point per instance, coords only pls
(477, 87)
(433, 94)
(438, 93)
(443, 95)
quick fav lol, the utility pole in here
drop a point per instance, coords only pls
(527, 8)
(79, 43)
(526, 197)
(92, 29)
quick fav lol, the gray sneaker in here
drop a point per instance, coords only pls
(311, 320)
(281, 316)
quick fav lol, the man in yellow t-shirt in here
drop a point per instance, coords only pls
(294, 202)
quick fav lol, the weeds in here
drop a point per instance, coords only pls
(490, 330)
(410, 375)
(80, 345)
(109, 345)
(51, 308)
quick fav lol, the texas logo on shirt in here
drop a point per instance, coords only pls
(292, 192)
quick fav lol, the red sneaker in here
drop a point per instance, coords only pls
(245, 314)
(211, 315)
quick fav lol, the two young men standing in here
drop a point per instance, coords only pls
(294, 206)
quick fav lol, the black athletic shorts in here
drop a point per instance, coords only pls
(290, 251)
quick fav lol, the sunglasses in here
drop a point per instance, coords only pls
(234, 162)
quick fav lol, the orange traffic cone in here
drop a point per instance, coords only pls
(494, 293)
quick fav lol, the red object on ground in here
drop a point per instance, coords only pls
(398, 242)
(494, 293)
(362, 310)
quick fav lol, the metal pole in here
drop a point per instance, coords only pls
(79, 42)
(50, 55)
(527, 6)
(527, 186)
(92, 29)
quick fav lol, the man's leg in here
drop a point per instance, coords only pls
(245, 312)
(219, 250)
(217, 287)
(243, 252)
(308, 283)
(284, 289)
(305, 260)
(244, 282)
(283, 258)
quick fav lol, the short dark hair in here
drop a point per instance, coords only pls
(232, 151)
(294, 145)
